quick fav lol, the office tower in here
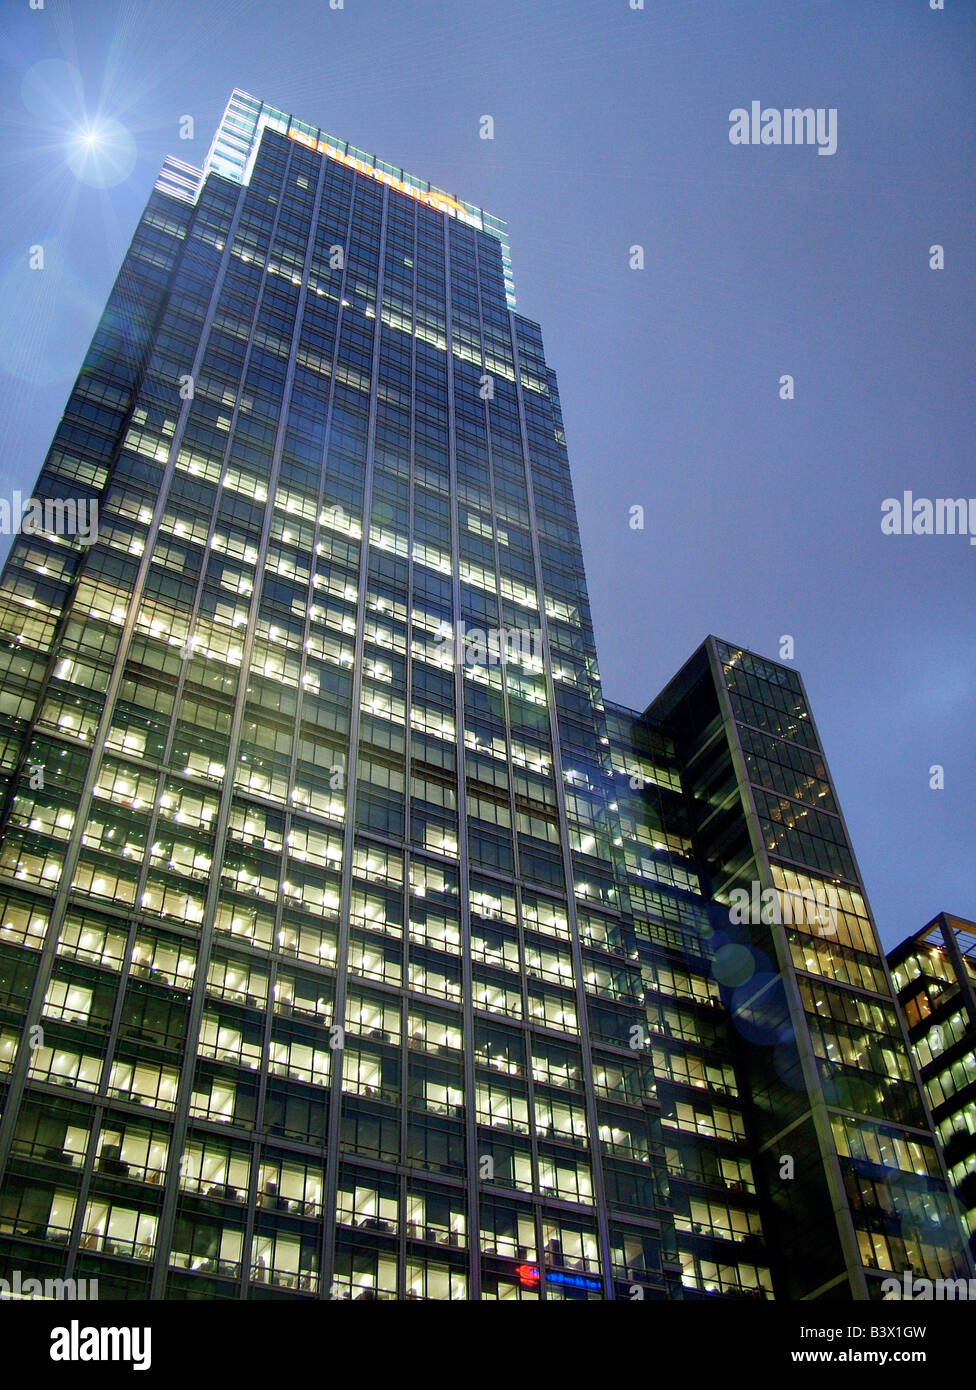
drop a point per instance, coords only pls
(807, 1080)
(711, 1193)
(934, 973)
(343, 954)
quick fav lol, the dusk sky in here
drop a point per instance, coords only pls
(762, 516)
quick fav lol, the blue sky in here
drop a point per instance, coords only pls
(762, 516)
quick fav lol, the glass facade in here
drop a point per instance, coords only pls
(351, 947)
(853, 1184)
(701, 1090)
(934, 974)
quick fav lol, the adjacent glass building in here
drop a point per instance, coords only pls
(934, 972)
(350, 945)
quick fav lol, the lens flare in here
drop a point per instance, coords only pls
(101, 153)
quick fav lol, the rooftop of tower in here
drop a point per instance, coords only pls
(235, 146)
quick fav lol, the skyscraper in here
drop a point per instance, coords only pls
(351, 946)
(934, 972)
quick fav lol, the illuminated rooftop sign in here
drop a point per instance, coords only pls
(235, 148)
(442, 202)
